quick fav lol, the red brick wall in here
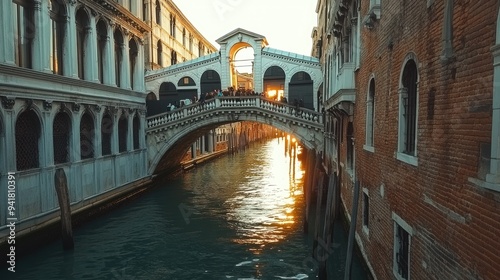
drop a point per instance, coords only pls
(456, 224)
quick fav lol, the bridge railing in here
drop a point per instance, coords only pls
(233, 102)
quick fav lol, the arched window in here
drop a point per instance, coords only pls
(159, 51)
(106, 133)
(24, 32)
(408, 104)
(136, 127)
(172, 25)
(57, 35)
(60, 135)
(133, 52)
(122, 134)
(190, 43)
(87, 136)
(102, 34)
(173, 57)
(370, 113)
(82, 27)
(184, 37)
(28, 131)
(118, 56)
(158, 12)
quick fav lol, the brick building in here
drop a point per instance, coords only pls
(411, 93)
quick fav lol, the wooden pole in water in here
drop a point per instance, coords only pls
(352, 230)
(311, 160)
(61, 185)
(319, 199)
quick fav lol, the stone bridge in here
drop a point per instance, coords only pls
(169, 135)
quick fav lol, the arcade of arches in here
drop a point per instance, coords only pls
(244, 65)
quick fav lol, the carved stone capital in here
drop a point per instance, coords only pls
(97, 108)
(47, 105)
(75, 107)
(8, 103)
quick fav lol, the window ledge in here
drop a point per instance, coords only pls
(484, 184)
(366, 230)
(375, 9)
(369, 148)
(412, 160)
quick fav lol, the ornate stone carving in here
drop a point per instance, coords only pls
(47, 105)
(75, 107)
(97, 108)
(8, 103)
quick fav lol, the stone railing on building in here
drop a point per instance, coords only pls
(237, 104)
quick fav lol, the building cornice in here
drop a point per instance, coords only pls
(120, 15)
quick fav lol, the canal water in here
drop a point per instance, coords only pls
(237, 217)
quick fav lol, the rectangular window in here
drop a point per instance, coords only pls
(402, 245)
(24, 32)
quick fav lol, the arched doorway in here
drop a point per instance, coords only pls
(301, 88)
(274, 83)
(186, 88)
(241, 65)
(210, 81)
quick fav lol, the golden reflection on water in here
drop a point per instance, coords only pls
(265, 209)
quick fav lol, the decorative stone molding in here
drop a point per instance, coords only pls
(29, 103)
(97, 108)
(8, 103)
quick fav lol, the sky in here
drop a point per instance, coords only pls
(286, 24)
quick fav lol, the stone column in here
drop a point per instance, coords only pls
(7, 54)
(193, 150)
(110, 56)
(91, 62)
(74, 148)
(202, 144)
(225, 74)
(142, 129)
(70, 58)
(211, 141)
(38, 54)
(257, 69)
(47, 151)
(10, 139)
(139, 68)
(97, 133)
(113, 111)
(125, 67)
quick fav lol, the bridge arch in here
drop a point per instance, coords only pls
(301, 88)
(274, 80)
(171, 134)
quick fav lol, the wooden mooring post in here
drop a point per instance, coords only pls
(61, 185)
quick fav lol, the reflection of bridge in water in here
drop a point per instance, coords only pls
(171, 133)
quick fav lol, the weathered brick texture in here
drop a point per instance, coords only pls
(456, 224)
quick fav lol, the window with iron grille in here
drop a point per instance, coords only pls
(136, 127)
(122, 134)
(61, 132)
(87, 136)
(106, 133)
(402, 249)
(28, 131)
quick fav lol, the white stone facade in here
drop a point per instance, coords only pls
(72, 93)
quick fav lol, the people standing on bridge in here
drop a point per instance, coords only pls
(202, 98)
